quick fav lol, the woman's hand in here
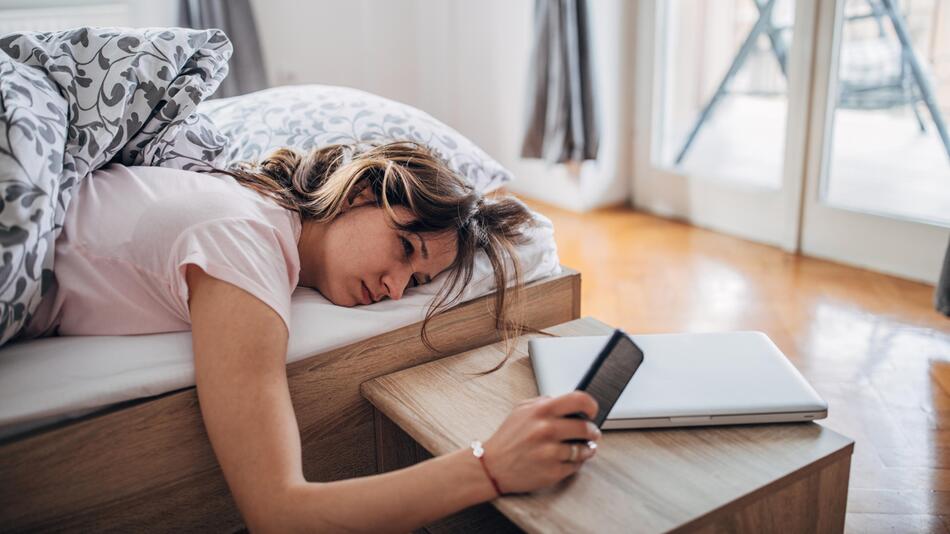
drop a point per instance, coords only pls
(527, 451)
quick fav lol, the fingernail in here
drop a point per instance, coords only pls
(592, 445)
(593, 429)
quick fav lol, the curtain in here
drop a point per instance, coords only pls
(235, 17)
(561, 124)
(942, 296)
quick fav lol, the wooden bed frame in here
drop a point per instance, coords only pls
(149, 465)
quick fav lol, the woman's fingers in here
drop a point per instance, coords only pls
(574, 452)
(576, 401)
(529, 449)
(565, 429)
(534, 400)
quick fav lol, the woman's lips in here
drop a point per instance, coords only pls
(367, 297)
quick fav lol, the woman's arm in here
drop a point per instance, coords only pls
(240, 346)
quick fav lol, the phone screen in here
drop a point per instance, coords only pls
(610, 373)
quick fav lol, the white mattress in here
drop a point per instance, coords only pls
(50, 380)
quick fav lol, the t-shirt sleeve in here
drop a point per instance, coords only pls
(244, 253)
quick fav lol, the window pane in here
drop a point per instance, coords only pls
(722, 93)
(887, 154)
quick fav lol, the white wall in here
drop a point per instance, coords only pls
(465, 63)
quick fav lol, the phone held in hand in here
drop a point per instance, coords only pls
(609, 374)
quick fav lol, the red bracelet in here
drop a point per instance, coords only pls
(479, 453)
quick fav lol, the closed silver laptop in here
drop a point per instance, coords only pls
(721, 378)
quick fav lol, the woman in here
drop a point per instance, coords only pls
(147, 250)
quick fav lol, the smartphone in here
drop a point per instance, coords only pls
(609, 374)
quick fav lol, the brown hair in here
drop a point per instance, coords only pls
(408, 174)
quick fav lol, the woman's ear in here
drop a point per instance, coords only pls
(361, 194)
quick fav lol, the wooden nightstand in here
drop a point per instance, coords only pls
(755, 478)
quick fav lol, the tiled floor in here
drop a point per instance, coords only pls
(871, 344)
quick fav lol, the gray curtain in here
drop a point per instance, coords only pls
(942, 296)
(561, 124)
(246, 67)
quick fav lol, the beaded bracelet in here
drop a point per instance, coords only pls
(479, 452)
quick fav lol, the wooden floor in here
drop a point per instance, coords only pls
(871, 344)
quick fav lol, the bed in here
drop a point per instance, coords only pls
(148, 462)
(105, 433)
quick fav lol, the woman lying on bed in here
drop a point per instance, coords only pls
(147, 250)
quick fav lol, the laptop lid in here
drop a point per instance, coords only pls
(686, 376)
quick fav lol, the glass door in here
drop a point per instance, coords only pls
(878, 176)
(722, 89)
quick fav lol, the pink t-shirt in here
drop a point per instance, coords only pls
(129, 234)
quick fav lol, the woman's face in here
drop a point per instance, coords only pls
(358, 258)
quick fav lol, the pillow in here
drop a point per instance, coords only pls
(309, 116)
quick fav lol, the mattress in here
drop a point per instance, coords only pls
(47, 381)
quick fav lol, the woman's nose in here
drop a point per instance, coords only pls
(397, 281)
(396, 292)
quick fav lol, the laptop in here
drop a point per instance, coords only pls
(722, 378)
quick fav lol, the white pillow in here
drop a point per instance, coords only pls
(308, 116)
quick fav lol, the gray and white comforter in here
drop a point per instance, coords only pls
(74, 101)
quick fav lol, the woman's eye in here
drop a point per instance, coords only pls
(407, 247)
